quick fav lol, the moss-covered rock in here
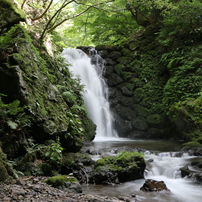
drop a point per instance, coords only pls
(6, 169)
(140, 110)
(139, 123)
(10, 16)
(65, 182)
(187, 117)
(3, 171)
(126, 89)
(124, 167)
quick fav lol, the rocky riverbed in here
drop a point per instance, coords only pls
(34, 189)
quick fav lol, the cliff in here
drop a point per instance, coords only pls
(39, 101)
(155, 85)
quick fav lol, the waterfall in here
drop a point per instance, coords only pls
(89, 70)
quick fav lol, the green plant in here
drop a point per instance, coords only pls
(54, 152)
(13, 114)
(33, 148)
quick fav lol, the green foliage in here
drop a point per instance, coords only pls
(186, 78)
(54, 152)
(32, 148)
(14, 115)
(191, 145)
(183, 19)
(16, 33)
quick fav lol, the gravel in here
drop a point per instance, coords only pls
(33, 189)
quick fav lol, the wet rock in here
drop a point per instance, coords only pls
(124, 167)
(195, 175)
(154, 186)
(185, 171)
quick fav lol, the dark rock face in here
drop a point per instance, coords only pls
(135, 95)
(154, 186)
(195, 175)
(39, 99)
(42, 91)
(10, 15)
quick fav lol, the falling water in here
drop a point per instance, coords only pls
(89, 70)
(161, 166)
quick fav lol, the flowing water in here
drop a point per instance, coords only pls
(166, 160)
(89, 71)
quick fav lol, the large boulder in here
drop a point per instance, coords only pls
(124, 167)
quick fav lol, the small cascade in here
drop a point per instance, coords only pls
(166, 167)
(89, 70)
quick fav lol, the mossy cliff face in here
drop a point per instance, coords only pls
(52, 101)
(10, 15)
(155, 89)
(136, 83)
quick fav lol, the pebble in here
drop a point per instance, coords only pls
(35, 190)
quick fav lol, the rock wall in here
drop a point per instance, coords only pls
(155, 89)
(52, 102)
(135, 92)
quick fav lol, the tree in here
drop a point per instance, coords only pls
(46, 16)
(108, 21)
(118, 20)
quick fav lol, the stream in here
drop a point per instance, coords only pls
(167, 160)
(163, 157)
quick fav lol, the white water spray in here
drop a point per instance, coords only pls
(166, 166)
(95, 89)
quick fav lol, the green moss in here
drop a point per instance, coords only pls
(105, 161)
(119, 162)
(140, 110)
(138, 94)
(71, 160)
(123, 167)
(124, 60)
(155, 119)
(7, 4)
(16, 33)
(3, 171)
(10, 13)
(60, 180)
(125, 158)
(187, 117)
(39, 75)
(192, 145)
(119, 68)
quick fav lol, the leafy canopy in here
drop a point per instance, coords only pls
(91, 22)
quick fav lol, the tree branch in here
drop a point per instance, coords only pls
(38, 17)
(23, 4)
(52, 28)
(49, 22)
